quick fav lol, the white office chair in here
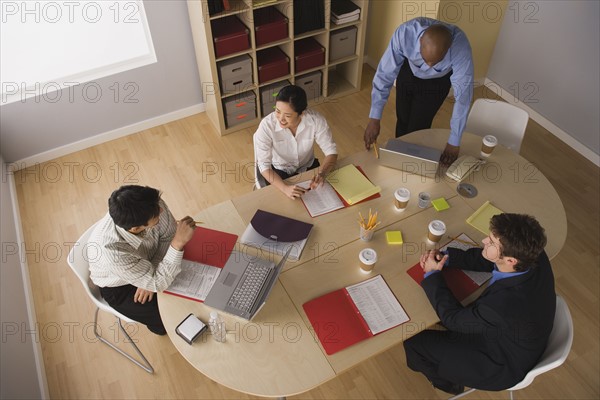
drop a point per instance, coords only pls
(259, 179)
(557, 350)
(78, 261)
(503, 120)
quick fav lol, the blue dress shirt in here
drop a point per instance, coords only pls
(405, 46)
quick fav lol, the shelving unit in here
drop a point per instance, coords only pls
(339, 78)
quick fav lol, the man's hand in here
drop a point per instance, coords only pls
(142, 296)
(185, 231)
(432, 260)
(293, 191)
(449, 155)
(371, 132)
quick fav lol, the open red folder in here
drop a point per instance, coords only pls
(338, 322)
(460, 284)
(208, 247)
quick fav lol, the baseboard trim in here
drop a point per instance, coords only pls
(106, 136)
(29, 302)
(547, 124)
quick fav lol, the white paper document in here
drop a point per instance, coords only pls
(195, 280)
(321, 200)
(377, 304)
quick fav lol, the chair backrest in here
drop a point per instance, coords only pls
(559, 344)
(503, 120)
(78, 260)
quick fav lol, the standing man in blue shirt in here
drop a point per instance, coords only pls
(425, 57)
(495, 341)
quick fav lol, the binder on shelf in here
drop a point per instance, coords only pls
(276, 233)
(351, 184)
(461, 283)
(203, 258)
(344, 11)
(352, 314)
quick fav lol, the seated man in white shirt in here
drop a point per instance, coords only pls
(284, 142)
(140, 247)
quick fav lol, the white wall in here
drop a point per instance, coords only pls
(47, 122)
(21, 363)
(547, 57)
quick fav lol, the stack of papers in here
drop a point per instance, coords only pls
(351, 184)
(344, 11)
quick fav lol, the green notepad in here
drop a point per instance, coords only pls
(351, 184)
(394, 237)
(440, 204)
(480, 219)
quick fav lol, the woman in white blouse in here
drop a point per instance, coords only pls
(283, 142)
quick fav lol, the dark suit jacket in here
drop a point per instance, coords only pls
(506, 328)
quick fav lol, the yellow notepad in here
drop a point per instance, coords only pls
(351, 184)
(394, 237)
(480, 219)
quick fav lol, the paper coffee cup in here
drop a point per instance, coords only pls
(437, 229)
(487, 145)
(367, 258)
(401, 197)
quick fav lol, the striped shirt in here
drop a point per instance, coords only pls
(147, 260)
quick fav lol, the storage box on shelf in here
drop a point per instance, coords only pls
(269, 26)
(247, 48)
(308, 54)
(268, 95)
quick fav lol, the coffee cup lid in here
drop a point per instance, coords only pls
(490, 140)
(402, 194)
(437, 227)
(368, 256)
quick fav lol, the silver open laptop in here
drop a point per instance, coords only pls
(409, 157)
(244, 284)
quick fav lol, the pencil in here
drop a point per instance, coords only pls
(375, 148)
(198, 222)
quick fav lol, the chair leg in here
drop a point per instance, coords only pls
(146, 366)
(511, 394)
(458, 396)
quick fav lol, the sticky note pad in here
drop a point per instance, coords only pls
(394, 237)
(440, 204)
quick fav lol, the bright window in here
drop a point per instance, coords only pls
(46, 46)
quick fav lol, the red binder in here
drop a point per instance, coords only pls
(459, 283)
(209, 247)
(337, 321)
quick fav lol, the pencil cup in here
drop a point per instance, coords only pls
(368, 259)
(366, 234)
(401, 197)
(488, 143)
(437, 229)
(424, 200)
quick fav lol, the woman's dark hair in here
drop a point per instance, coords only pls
(295, 96)
(133, 205)
(521, 237)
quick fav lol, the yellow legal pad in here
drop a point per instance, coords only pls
(351, 184)
(394, 237)
(480, 219)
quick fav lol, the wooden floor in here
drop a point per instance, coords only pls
(195, 168)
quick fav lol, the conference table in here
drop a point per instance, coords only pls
(278, 354)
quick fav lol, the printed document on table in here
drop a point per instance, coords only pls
(377, 304)
(321, 200)
(195, 280)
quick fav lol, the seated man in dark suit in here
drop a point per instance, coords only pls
(494, 342)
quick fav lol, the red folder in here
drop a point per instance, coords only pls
(337, 321)
(459, 283)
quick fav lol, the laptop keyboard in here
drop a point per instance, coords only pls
(250, 284)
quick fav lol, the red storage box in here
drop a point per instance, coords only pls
(308, 54)
(272, 64)
(269, 26)
(230, 36)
